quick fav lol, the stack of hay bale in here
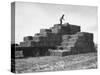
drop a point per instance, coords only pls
(58, 52)
(65, 29)
(66, 38)
(81, 42)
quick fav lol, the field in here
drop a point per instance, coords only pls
(56, 63)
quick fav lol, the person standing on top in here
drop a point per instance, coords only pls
(62, 18)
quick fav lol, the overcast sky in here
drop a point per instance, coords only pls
(31, 17)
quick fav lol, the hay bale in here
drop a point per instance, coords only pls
(28, 38)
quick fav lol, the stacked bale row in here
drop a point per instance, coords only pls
(65, 29)
(18, 54)
(74, 29)
(59, 52)
(28, 38)
(80, 42)
(56, 29)
(30, 51)
(26, 44)
(45, 31)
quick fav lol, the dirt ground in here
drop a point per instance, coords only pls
(56, 63)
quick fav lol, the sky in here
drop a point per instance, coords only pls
(31, 17)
